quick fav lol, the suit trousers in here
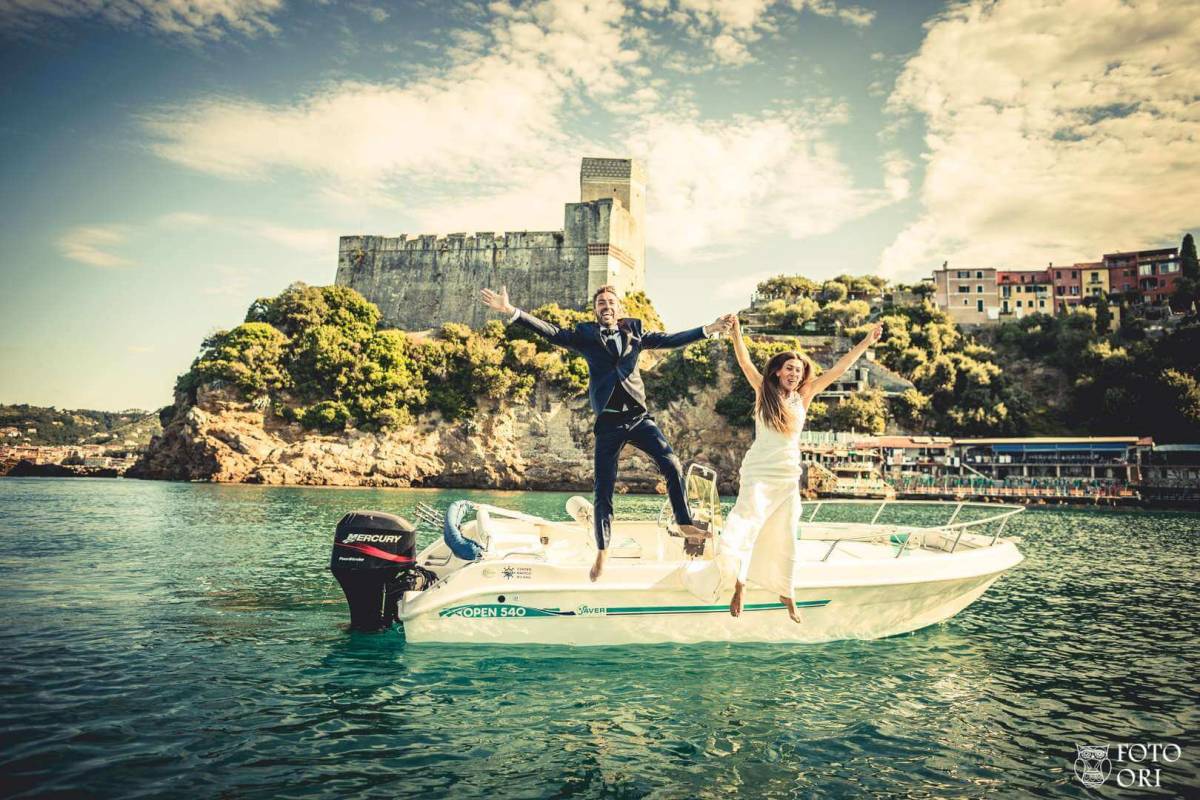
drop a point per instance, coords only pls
(613, 431)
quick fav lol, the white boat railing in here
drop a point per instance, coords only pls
(907, 535)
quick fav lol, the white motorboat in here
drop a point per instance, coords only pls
(906, 565)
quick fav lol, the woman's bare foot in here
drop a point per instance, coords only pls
(735, 605)
(597, 567)
(790, 605)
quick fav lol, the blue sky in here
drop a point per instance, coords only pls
(167, 161)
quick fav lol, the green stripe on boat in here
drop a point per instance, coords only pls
(508, 611)
(631, 610)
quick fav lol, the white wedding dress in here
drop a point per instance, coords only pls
(760, 532)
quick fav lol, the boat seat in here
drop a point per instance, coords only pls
(624, 546)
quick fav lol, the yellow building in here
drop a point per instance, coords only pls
(1095, 281)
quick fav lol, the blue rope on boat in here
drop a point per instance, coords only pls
(461, 546)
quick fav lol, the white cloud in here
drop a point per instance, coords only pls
(742, 286)
(92, 245)
(482, 121)
(857, 16)
(316, 242)
(718, 183)
(1069, 131)
(190, 19)
(729, 27)
(482, 145)
(232, 283)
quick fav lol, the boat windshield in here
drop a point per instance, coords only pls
(703, 498)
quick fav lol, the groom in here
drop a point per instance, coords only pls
(611, 346)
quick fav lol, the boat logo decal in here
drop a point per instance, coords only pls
(496, 610)
(518, 573)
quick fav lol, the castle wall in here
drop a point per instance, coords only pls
(424, 281)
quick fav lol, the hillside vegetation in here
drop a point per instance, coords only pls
(36, 425)
(1004, 381)
(317, 356)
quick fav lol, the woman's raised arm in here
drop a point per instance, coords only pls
(743, 356)
(826, 378)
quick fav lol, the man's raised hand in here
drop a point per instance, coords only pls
(497, 302)
(722, 324)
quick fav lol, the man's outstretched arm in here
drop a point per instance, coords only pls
(666, 341)
(553, 333)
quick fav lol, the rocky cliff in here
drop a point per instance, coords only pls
(545, 443)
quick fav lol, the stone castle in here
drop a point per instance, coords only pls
(423, 281)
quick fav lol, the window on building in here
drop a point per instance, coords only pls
(979, 275)
(964, 274)
(1169, 266)
(979, 306)
(964, 290)
(1145, 269)
(1074, 274)
(966, 302)
(1041, 303)
(1018, 304)
(979, 288)
(1060, 290)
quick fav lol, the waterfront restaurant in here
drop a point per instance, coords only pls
(915, 456)
(1103, 458)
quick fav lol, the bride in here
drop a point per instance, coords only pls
(760, 531)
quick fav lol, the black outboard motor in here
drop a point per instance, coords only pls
(373, 553)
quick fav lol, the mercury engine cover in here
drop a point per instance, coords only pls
(371, 552)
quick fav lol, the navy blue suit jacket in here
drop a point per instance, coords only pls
(605, 369)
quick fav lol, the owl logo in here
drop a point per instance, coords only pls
(1091, 764)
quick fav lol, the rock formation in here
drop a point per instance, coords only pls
(543, 444)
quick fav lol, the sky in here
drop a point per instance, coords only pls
(165, 162)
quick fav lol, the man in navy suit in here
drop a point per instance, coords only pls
(611, 346)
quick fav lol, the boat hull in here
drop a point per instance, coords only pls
(656, 616)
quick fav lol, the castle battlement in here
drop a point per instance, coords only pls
(450, 241)
(421, 281)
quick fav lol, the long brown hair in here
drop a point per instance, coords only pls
(768, 401)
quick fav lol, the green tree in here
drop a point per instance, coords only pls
(862, 411)
(1187, 289)
(637, 304)
(249, 357)
(300, 307)
(833, 292)
(1103, 316)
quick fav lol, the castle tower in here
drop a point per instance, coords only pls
(618, 254)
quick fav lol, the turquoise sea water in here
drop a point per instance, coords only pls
(175, 640)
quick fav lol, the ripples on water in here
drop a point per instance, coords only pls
(173, 640)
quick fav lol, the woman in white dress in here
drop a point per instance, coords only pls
(761, 529)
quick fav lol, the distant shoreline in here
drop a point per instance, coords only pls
(1183, 506)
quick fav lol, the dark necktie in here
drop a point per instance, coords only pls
(612, 339)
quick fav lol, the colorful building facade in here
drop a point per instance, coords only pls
(1151, 274)
(1024, 292)
(968, 296)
